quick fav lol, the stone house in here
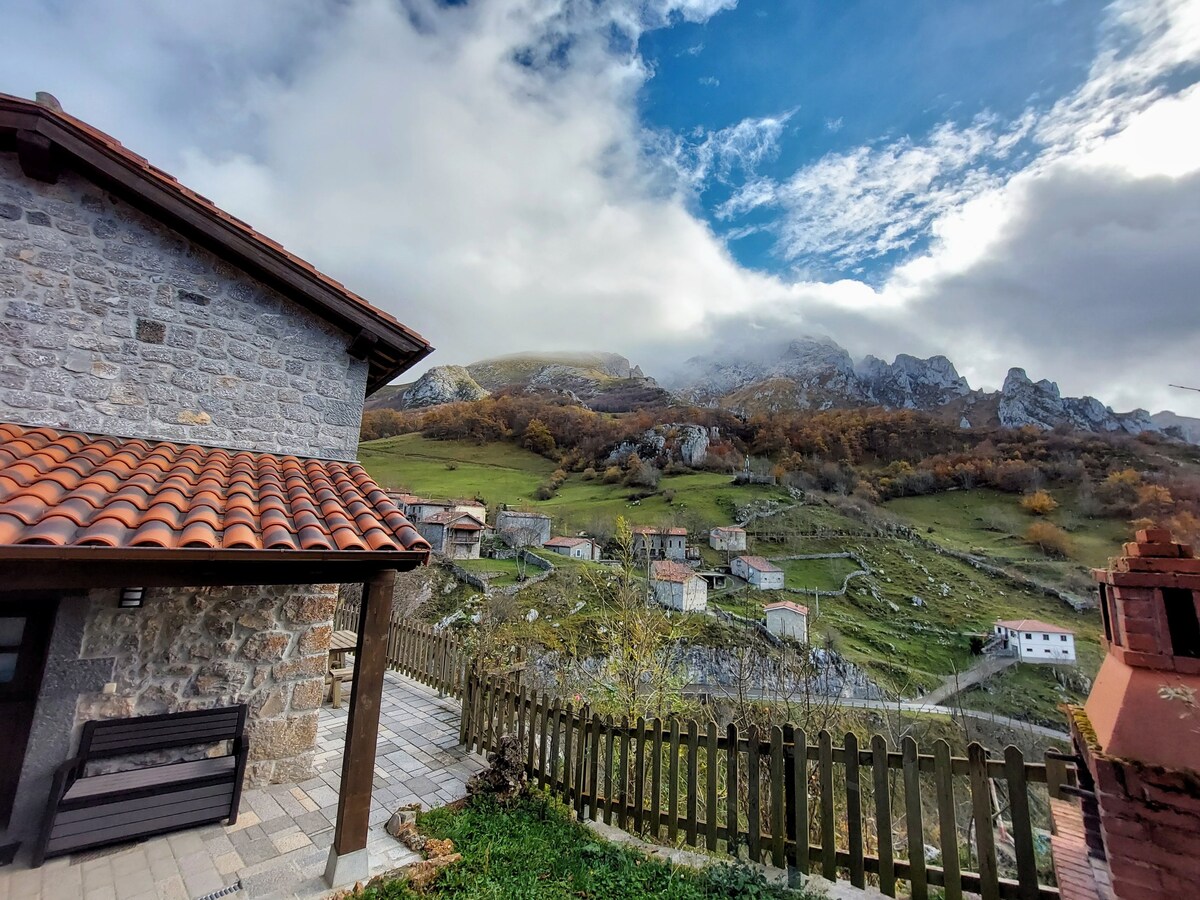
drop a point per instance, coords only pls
(677, 586)
(522, 529)
(1031, 640)
(575, 548)
(180, 401)
(454, 535)
(660, 543)
(728, 538)
(758, 573)
(787, 619)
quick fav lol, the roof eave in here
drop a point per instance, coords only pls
(389, 347)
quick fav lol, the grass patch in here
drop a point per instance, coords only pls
(498, 572)
(1032, 689)
(533, 850)
(501, 473)
(816, 574)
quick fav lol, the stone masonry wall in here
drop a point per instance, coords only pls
(112, 323)
(198, 648)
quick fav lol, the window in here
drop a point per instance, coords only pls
(1182, 622)
(1047, 651)
(1063, 638)
(1045, 637)
(1029, 637)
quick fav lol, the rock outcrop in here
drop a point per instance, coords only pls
(687, 444)
(442, 384)
(1026, 402)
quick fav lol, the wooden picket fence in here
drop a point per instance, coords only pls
(436, 659)
(752, 794)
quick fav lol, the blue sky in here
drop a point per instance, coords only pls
(855, 73)
(1005, 183)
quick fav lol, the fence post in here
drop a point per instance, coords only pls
(778, 856)
(623, 783)
(914, 826)
(1022, 827)
(754, 809)
(656, 780)
(800, 799)
(943, 774)
(639, 786)
(883, 815)
(731, 791)
(854, 829)
(981, 804)
(673, 786)
(710, 796)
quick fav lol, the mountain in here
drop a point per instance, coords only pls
(1183, 427)
(605, 382)
(816, 373)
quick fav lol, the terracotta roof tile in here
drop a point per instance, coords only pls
(759, 564)
(668, 570)
(68, 489)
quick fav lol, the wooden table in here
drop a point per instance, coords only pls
(340, 643)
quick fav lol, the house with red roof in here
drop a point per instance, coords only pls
(180, 400)
(1031, 640)
(758, 572)
(728, 537)
(787, 619)
(660, 543)
(677, 586)
(575, 548)
(453, 534)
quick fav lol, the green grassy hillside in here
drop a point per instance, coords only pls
(502, 473)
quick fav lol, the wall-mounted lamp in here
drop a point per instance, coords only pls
(131, 598)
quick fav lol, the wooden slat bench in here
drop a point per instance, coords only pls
(87, 811)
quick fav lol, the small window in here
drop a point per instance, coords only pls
(1047, 651)
(1063, 638)
(1045, 637)
(1182, 622)
(1029, 637)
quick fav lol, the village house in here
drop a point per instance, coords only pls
(522, 529)
(180, 401)
(788, 619)
(677, 586)
(758, 573)
(576, 548)
(452, 534)
(729, 538)
(1035, 642)
(660, 543)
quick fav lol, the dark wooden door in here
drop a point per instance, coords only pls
(25, 625)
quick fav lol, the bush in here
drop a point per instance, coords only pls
(543, 492)
(1050, 539)
(1039, 503)
(589, 474)
(613, 474)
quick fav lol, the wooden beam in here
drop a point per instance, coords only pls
(139, 572)
(362, 729)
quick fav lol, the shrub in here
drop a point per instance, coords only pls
(544, 492)
(1050, 539)
(1039, 503)
(589, 474)
(613, 474)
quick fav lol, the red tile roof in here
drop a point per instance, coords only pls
(647, 529)
(667, 570)
(450, 517)
(1032, 625)
(567, 542)
(76, 138)
(759, 564)
(67, 489)
(788, 605)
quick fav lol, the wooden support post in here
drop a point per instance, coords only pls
(348, 856)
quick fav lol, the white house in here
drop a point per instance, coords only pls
(788, 619)
(660, 543)
(455, 535)
(728, 537)
(523, 529)
(758, 572)
(576, 548)
(1037, 642)
(677, 586)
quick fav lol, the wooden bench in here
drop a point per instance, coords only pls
(87, 811)
(335, 678)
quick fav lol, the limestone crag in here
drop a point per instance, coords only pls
(442, 384)
(687, 444)
(1184, 428)
(1026, 402)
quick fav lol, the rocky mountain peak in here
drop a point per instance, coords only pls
(442, 384)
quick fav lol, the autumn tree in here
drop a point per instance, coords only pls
(1050, 539)
(1039, 503)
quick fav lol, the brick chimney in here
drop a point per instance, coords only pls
(1138, 735)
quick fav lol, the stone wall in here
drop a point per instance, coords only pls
(111, 323)
(198, 648)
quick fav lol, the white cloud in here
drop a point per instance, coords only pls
(481, 172)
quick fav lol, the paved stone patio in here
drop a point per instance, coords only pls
(280, 843)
